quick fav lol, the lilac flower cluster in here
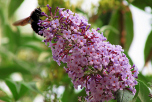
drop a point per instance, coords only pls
(92, 62)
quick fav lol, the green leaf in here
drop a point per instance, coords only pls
(67, 95)
(112, 100)
(2, 20)
(136, 100)
(128, 23)
(23, 89)
(114, 38)
(136, 95)
(148, 48)
(18, 89)
(130, 61)
(124, 96)
(104, 16)
(4, 96)
(13, 38)
(13, 88)
(13, 5)
(5, 71)
(143, 92)
(32, 86)
(125, 24)
(144, 79)
(142, 4)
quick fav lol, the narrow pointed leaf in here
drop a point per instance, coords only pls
(113, 37)
(13, 88)
(23, 90)
(143, 92)
(148, 48)
(128, 24)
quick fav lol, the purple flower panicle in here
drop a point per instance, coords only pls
(92, 62)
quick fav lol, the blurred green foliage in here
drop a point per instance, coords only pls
(27, 55)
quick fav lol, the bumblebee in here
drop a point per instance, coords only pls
(33, 19)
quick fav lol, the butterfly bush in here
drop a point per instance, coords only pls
(91, 61)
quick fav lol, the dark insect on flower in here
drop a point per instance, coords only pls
(33, 19)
